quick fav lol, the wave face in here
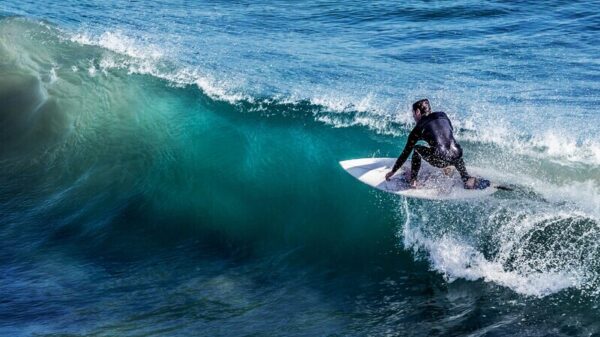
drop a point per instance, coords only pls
(180, 174)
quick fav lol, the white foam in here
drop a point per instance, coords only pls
(368, 111)
(338, 102)
(220, 90)
(556, 145)
(455, 259)
(120, 43)
(585, 195)
(582, 196)
(150, 59)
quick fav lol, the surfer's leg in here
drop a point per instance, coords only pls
(428, 154)
(460, 167)
(469, 181)
(415, 165)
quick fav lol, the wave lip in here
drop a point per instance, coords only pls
(376, 112)
(150, 59)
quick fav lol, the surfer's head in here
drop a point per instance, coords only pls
(421, 108)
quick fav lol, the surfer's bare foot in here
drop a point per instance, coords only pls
(447, 171)
(470, 183)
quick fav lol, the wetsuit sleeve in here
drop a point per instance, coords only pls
(413, 138)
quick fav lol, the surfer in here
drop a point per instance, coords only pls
(443, 151)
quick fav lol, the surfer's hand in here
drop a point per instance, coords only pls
(389, 175)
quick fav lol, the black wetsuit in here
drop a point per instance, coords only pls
(443, 150)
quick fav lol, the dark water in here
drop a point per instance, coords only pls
(172, 169)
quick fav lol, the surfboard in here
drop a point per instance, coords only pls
(433, 184)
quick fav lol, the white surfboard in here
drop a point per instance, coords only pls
(432, 183)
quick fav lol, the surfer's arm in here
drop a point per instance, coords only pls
(410, 144)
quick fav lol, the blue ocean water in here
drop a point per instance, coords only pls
(171, 168)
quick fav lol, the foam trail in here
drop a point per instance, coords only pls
(456, 259)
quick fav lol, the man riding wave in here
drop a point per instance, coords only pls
(443, 151)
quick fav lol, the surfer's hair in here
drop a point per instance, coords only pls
(423, 106)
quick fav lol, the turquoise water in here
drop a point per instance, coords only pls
(172, 169)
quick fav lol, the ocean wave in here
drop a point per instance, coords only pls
(534, 253)
(161, 145)
(377, 113)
